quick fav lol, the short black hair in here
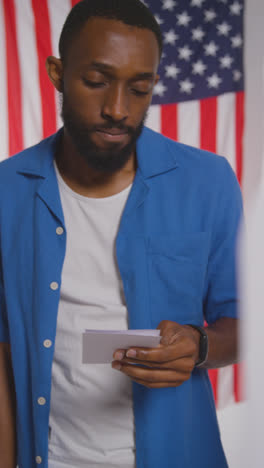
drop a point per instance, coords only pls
(130, 12)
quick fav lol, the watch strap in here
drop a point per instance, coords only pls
(203, 345)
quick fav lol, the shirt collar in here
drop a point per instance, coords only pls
(154, 155)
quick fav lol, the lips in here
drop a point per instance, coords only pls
(113, 131)
(114, 135)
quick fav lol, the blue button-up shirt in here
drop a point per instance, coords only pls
(176, 255)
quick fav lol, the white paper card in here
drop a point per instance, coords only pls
(98, 346)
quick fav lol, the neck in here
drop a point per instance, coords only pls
(81, 178)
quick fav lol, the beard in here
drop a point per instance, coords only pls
(107, 161)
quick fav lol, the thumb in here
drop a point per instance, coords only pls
(168, 330)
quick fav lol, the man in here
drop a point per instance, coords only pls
(112, 226)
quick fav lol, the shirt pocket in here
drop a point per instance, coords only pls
(177, 266)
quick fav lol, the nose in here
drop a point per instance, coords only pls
(115, 104)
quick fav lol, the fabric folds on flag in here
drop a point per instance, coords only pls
(199, 99)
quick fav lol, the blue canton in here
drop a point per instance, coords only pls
(203, 48)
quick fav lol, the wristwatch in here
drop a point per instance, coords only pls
(204, 345)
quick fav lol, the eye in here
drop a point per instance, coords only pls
(140, 93)
(93, 84)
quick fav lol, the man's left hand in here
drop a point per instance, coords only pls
(168, 365)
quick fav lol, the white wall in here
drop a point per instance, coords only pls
(241, 424)
(254, 64)
(232, 426)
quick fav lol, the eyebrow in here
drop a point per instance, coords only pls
(108, 69)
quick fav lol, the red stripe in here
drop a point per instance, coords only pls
(208, 119)
(44, 48)
(14, 87)
(214, 375)
(240, 101)
(239, 382)
(74, 2)
(239, 134)
(169, 121)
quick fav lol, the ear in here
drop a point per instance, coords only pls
(156, 79)
(54, 69)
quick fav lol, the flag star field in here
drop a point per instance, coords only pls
(203, 49)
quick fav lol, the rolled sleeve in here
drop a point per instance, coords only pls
(221, 299)
(4, 331)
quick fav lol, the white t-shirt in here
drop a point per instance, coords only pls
(91, 416)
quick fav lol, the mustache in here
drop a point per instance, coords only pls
(114, 126)
(84, 129)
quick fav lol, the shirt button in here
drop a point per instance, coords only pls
(59, 231)
(47, 343)
(38, 460)
(41, 401)
(54, 286)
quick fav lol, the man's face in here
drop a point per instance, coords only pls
(108, 79)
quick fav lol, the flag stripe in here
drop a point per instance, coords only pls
(225, 386)
(154, 118)
(14, 90)
(238, 381)
(189, 123)
(169, 121)
(74, 2)
(58, 12)
(44, 48)
(226, 142)
(31, 105)
(240, 116)
(4, 143)
(239, 134)
(208, 116)
(214, 381)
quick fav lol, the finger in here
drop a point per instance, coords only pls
(169, 331)
(179, 349)
(152, 375)
(119, 354)
(182, 364)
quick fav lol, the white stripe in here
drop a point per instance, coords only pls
(58, 12)
(225, 387)
(154, 119)
(189, 123)
(226, 128)
(28, 61)
(225, 146)
(4, 146)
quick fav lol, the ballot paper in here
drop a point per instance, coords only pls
(98, 346)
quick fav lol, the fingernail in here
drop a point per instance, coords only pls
(131, 353)
(116, 366)
(118, 356)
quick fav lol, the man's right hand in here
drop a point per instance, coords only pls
(7, 410)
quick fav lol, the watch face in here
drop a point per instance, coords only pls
(203, 348)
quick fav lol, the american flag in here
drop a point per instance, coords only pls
(199, 99)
